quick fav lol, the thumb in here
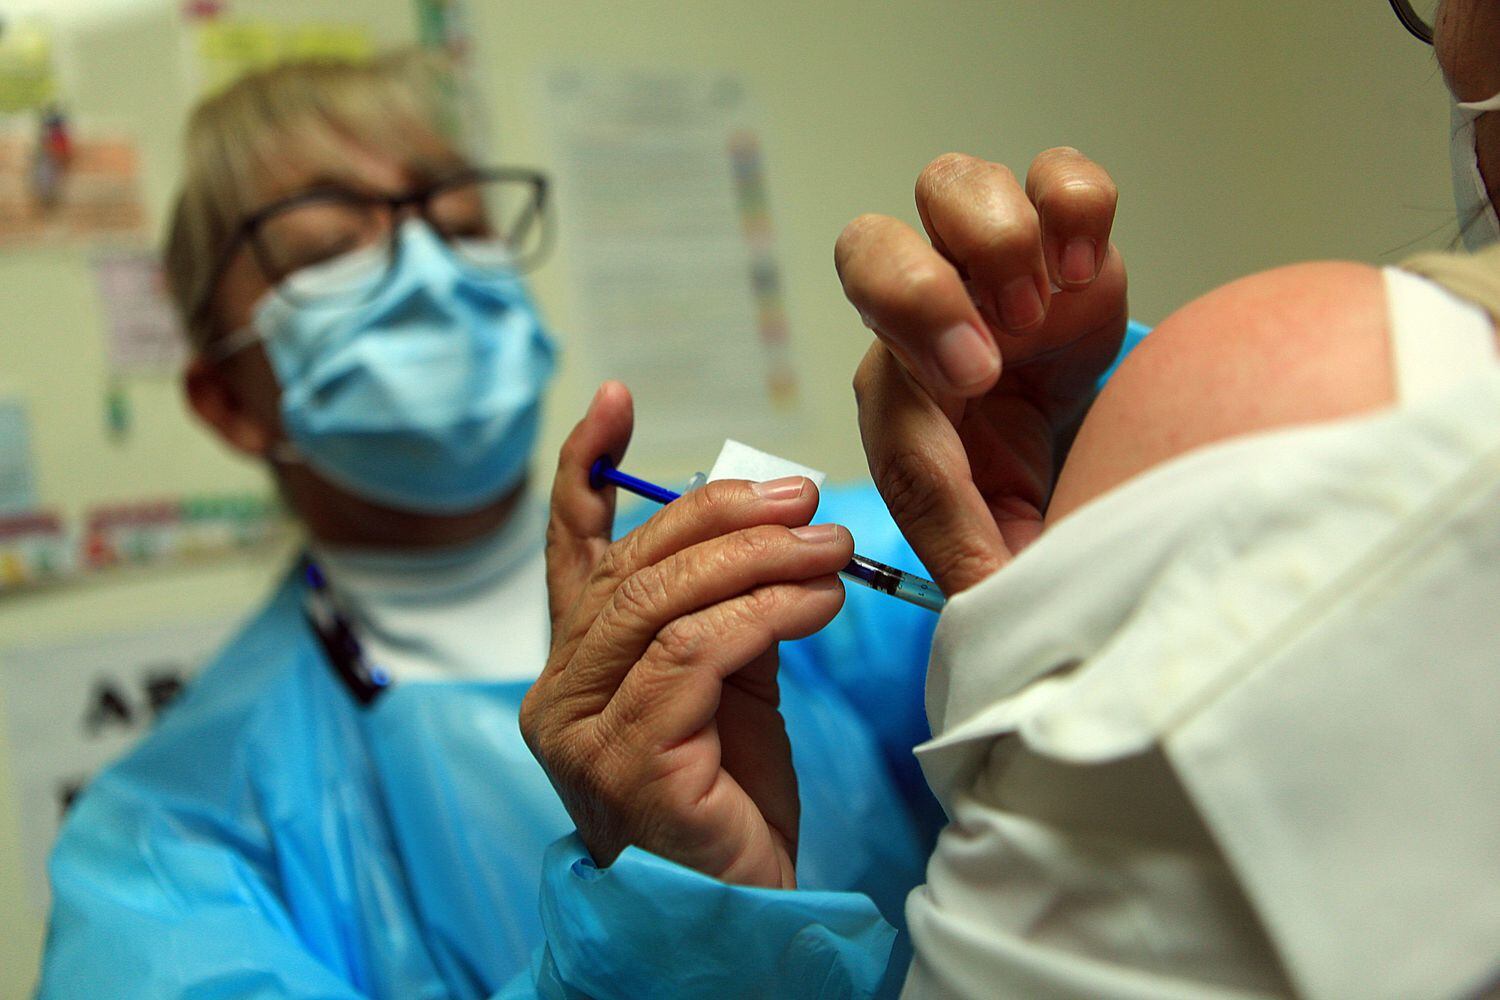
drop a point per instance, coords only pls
(583, 517)
(920, 466)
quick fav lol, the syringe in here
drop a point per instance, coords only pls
(875, 575)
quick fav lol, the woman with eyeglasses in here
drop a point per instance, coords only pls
(1214, 696)
(342, 805)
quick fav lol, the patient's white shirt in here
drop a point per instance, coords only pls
(1233, 728)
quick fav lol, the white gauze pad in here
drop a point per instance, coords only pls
(740, 461)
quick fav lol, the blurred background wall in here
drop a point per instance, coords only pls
(1242, 135)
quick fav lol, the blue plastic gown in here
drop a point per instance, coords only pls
(273, 839)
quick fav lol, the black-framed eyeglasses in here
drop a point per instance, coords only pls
(1417, 16)
(336, 244)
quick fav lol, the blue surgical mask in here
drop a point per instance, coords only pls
(425, 395)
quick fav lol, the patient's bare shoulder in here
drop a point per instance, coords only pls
(1296, 345)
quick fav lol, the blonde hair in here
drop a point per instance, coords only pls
(238, 143)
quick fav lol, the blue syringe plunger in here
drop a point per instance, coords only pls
(603, 473)
(905, 586)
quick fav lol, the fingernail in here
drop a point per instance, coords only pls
(786, 488)
(965, 356)
(1020, 305)
(817, 533)
(1078, 262)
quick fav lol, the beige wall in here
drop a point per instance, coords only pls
(1241, 135)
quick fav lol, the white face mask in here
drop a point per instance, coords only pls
(1476, 214)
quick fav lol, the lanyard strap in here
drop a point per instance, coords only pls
(346, 654)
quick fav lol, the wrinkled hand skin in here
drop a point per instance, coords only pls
(992, 328)
(656, 716)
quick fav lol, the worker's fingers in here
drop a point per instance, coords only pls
(1075, 199)
(1084, 331)
(649, 602)
(674, 690)
(684, 759)
(754, 747)
(715, 509)
(979, 217)
(920, 465)
(695, 733)
(578, 533)
(915, 300)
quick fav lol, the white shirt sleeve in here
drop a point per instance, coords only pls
(1230, 730)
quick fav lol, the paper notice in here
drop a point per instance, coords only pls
(662, 210)
(142, 335)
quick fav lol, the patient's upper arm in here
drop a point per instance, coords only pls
(1296, 345)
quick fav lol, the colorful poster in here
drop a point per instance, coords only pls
(666, 230)
(62, 185)
(142, 334)
(35, 548)
(72, 707)
(28, 80)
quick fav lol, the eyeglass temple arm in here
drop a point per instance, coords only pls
(1410, 21)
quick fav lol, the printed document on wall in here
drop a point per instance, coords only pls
(665, 227)
(142, 334)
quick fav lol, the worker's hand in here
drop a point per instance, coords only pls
(656, 716)
(992, 331)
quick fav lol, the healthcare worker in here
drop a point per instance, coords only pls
(1214, 694)
(341, 805)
